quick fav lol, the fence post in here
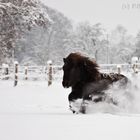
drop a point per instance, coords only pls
(119, 69)
(49, 72)
(6, 71)
(135, 68)
(26, 73)
(16, 74)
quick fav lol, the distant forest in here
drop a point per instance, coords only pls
(32, 33)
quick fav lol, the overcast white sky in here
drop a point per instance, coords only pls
(109, 12)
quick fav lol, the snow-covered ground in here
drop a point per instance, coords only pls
(34, 111)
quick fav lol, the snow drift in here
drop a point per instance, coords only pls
(127, 100)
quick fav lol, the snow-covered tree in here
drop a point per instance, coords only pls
(137, 45)
(87, 39)
(121, 45)
(17, 16)
(40, 45)
(59, 31)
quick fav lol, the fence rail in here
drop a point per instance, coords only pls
(52, 73)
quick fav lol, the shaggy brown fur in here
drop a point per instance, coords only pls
(82, 74)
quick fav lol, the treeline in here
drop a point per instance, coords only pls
(33, 33)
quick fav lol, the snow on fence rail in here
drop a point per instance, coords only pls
(34, 73)
(52, 73)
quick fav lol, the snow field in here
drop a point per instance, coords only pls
(34, 111)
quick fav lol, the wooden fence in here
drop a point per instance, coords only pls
(52, 73)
